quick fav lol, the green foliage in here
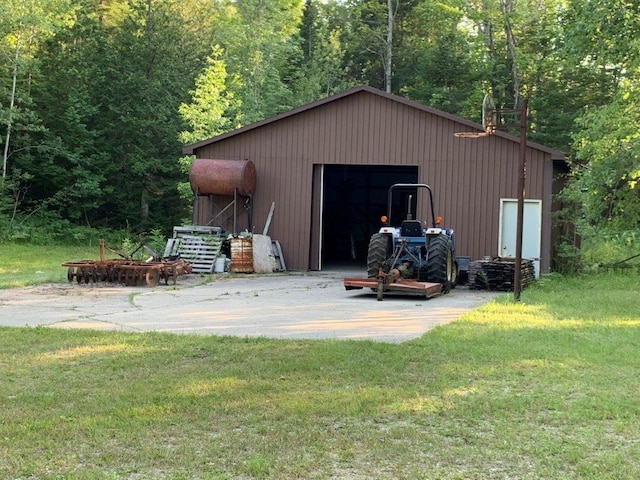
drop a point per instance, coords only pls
(605, 184)
(365, 38)
(604, 33)
(320, 69)
(184, 188)
(603, 191)
(111, 115)
(24, 26)
(46, 228)
(40, 225)
(599, 249)
(260, 44)
(610, 248)
(436, 66)
(208, 113)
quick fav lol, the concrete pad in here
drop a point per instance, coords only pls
(288, 305)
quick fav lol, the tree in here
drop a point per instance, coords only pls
(69, 81)
(605, 183)
(603, 190)
(208, 113)
(23, 25)
(435, 64)
(373, 37)
(145, 80)
(116, 81)
(97, 96)
(260, 43)
(320, 66)
(604, 34)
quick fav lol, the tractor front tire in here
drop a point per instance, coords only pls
(440, 263)
(456, 272)
(378, 253)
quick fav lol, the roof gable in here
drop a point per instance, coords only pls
(190, 149)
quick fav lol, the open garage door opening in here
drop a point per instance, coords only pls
(354, 199)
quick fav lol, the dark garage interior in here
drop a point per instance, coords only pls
(355, 197)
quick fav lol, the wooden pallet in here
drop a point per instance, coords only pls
(198, 245)
(197, 230)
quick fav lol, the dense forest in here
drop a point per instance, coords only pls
(97, 97)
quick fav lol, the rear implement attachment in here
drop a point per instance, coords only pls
(392, 282)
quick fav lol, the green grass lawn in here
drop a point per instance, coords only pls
(22, 265)
(546, 388)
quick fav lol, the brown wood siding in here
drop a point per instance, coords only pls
(468, 176)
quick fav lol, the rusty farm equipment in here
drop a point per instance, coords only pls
(126, 270)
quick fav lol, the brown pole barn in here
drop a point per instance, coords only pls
(327, 167)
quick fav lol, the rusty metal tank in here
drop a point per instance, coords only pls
(222, 177)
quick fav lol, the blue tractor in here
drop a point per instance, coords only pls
(413, 253)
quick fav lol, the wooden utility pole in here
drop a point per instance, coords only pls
(517, 274)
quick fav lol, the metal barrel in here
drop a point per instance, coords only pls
(241, 255)
(222, 177)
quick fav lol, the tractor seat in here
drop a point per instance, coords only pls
(411, 228)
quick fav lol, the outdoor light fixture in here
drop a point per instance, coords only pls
(490, 124)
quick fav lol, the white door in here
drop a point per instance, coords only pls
(531, 230)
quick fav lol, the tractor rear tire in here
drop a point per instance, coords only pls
(440, 263)
(379, 252)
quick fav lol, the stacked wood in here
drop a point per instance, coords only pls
(498, 273)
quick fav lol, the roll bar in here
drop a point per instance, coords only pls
(410, 185)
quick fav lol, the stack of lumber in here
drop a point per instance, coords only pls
(497, 274)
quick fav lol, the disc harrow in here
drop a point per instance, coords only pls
(127, 271)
